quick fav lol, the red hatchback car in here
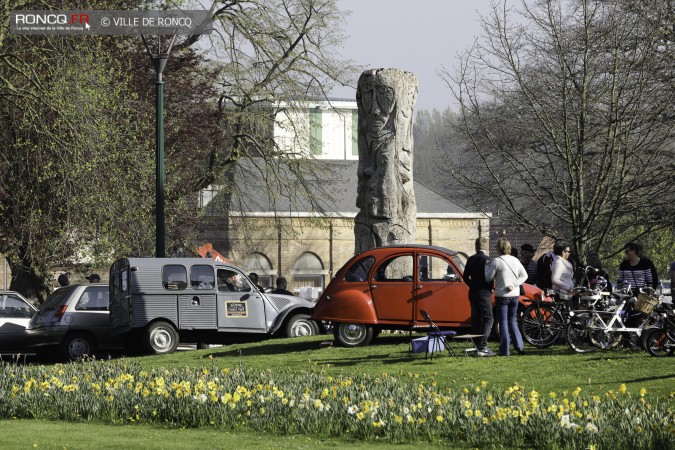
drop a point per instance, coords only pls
(385, 288)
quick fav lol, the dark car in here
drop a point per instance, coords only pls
(15, 313)
(388, 287)
(74, 322)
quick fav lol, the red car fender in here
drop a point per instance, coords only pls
(531, 293)
(349, 305)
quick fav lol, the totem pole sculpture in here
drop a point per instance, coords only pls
(385, 195)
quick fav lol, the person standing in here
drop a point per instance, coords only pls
(636, 270)
(508, 274)
(63, 280)
(530, 265)
(544, 268)
(93, 278)
(254, 279)
(596, 271)
(480, 296)
(282, 284)
(562, 270)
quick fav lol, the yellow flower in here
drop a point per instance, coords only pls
(622, 389)
(576, 391)
(643, 391)
(439, 418)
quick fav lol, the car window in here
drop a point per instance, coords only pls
(458, 262)
(359, 270)
(55, 299)
(232, 281)
(94, 299)
(434, 268)
(14, 307)
(201, 277)
(452, 274)
(174, 277)
(398, 268)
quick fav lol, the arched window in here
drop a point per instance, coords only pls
(260, 264)
(308, 276)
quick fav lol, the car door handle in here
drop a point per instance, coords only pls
(420, 287)
(373, 286)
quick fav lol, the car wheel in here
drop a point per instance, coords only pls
(77, 346)
(301, 325)
(161, 338)
(353, 334)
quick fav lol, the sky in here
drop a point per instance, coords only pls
(418, 36)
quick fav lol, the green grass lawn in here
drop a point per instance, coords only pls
(556, 369)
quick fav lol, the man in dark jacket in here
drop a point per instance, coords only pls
(480, 296)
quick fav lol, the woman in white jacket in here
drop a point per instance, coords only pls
(508, 274)
(562, 271)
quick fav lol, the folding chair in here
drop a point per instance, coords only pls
(435, 338)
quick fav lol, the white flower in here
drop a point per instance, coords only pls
(565, 421)
(591, 427)
(353, 409)
(201, 398)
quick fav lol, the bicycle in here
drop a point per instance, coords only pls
(607, 329)
(660, 341)
(543, 323)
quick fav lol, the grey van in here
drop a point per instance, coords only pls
(166, 300)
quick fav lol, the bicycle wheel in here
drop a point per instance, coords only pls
(657, 342)
(541, 325)
(600, 337)
(577, 334)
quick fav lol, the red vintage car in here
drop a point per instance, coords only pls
(385, 288)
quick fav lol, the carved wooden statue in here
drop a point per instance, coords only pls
(385, 195)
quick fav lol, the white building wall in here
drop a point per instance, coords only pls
(292, 130)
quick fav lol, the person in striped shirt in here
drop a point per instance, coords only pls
(636, 270)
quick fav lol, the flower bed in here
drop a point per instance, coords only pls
(359, 407)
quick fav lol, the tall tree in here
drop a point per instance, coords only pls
(567, 114)
(70, 164)
(77, 181)
(275, 56)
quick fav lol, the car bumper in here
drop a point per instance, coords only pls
(37, 338)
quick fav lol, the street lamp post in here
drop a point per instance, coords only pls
(159, 60)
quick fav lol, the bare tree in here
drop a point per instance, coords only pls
(566, 108)
(276, 57)
(76, 175)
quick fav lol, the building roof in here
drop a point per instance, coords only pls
(333, 183)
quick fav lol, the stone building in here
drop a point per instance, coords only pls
(291, 238)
